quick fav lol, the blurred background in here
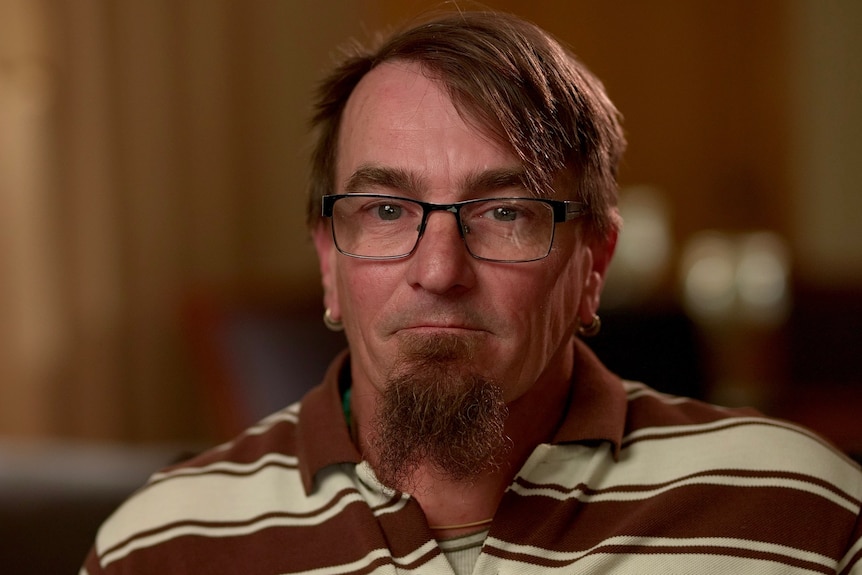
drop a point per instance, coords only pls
(152, 174)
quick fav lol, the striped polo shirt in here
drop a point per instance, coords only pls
(634, 482)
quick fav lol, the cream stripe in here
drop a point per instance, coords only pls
(394, 508)
(415, 555)
(220, 498)
(762, 450)
(720, 424)
(228, 530)
(845, 561)
(757, 445)
(288, 415)
(637, 390)
(656, 542)
(229, 466)
(769, 482)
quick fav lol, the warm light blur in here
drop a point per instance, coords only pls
(644, 252)
(736, 279)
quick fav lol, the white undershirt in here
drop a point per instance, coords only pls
(463, 552)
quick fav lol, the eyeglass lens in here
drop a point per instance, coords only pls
(499, 229)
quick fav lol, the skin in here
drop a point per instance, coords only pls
(522, 315)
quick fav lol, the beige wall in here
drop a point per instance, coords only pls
(151, 146)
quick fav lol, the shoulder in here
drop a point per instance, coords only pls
(270, 440)
(271, 443)
(648, 408)
(228, 485)
(681, 432)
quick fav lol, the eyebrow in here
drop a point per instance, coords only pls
(482, 183)
(402, 181)
(379, 177)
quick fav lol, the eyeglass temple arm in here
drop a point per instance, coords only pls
(565, 210)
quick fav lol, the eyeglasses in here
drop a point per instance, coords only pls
(508, 230)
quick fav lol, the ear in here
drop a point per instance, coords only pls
(597, 258)
(326, 254)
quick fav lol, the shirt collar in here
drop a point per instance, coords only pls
(323, 438)
(596, 414)
(598, 403)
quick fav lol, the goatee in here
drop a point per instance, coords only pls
(434, 411)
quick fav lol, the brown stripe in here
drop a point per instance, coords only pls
(735, 473)
(406, 530)
(651, 411)
(710, 551)
(768, 514)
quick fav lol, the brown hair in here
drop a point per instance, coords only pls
(515, 80)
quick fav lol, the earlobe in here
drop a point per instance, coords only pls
(597, 258)
(326, 254)
(590, 297)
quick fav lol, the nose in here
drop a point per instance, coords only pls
(441, 262)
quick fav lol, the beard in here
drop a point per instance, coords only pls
(435, 412)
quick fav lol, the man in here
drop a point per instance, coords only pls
(463, 209)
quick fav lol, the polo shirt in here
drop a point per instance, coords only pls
(633, 482)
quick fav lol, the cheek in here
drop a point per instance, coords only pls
(363, 289)
(540, 301)
(562, 301)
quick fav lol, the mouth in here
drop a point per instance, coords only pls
(436, 322)
(439, 329)
(441, 324)
(434, 329)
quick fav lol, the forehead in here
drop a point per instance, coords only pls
(400, 117)
(395, 93)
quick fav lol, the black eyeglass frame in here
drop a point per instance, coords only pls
(563, 211)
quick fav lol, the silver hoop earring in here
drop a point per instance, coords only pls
(591, 328)
(330, 323)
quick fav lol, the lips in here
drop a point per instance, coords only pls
(434, 321)
(439, 329)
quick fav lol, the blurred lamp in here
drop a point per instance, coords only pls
(733, 279)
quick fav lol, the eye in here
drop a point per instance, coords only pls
(500, 211)
(504, 214)
(389, 211)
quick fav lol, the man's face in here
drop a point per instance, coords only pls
(519, 317)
